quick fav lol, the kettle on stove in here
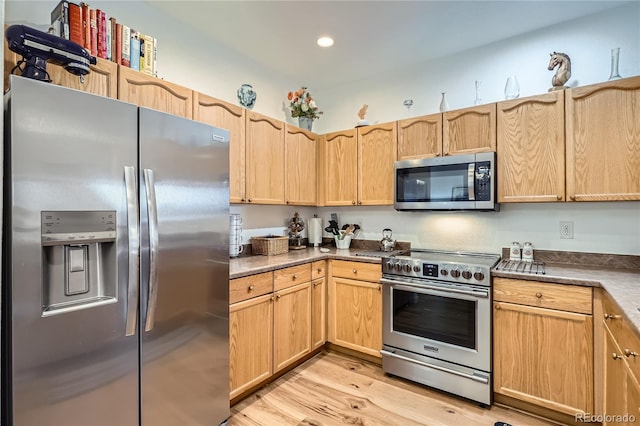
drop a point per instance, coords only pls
(387, 243)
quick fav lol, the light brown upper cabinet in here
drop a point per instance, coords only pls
(232, 118)
(101, 81)
(300, 166)
(530, 152)
(420, 137)
(339, 168)
(469, 130)
(377, 147)
(151, 92)
(603, 141)
(265, 159)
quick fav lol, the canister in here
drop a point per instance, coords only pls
(527, 252)
(515, 252)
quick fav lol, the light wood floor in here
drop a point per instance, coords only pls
(334, 389)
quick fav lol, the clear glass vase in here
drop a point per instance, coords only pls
(615, 58)
(511, 88)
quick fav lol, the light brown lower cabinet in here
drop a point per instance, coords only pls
(291, 325)
(543, 356)
(250, 343)
(318, 312)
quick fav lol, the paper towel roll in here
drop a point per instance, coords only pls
(314, 231)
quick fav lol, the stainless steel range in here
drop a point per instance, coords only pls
(437, 320)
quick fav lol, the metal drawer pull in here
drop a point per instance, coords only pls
(616, 356)
(611, 316)
(539, 295)
(629, 353)
(484, 380)
(294, 277)
(250, 288)
(278, 296)
(355, 271)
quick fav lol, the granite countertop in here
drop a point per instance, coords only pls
(623, 285)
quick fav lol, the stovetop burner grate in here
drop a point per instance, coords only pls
(535, 268)
(380, 253)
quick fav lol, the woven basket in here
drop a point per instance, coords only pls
(269, 245)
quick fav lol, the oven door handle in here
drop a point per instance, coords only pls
(484, 380)
(474, 293)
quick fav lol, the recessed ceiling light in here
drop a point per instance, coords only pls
(325, 42)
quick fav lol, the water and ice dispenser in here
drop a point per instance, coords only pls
(79, 260)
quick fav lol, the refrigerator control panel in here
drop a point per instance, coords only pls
(84, 227)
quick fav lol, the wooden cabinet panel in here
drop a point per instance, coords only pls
(264, 159)
(232, 118)
(292, 325)
(340, 168)
(544, 295)
(251, 286)
(544, 357)
(377, 148)
(151, 92)
(101, 81)
(603, 141)
(283, 278)
(250, 343)
(614, 403)
(530, 153)
(622, 332)
(420, 137)
(318, 269)
(300, 166)
(469, 130)
(318, 312)
(356, 315)
(356, 270)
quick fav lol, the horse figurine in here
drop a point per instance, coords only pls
(564, 70)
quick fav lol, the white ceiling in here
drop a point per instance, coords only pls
(371, 37)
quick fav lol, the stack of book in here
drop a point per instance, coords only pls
(105, 37)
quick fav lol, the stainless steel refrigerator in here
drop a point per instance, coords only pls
(115, 267)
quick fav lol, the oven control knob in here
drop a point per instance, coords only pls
(466, 275)
(398, 266)
(455, 273)
(389, 265)
(406, 267)
(478, 276)
(416, 268)
(443, 272)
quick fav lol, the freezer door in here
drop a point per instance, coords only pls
(66, 266)
(184, 175)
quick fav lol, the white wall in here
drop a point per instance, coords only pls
(187, 59)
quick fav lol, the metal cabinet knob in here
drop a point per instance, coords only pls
(559, 197)
(616, 356)
(355, 271)
(629, 353)
(539, 295)
(611, 316)
(319, 270)
(294, 277)
(353, 202)
(250, 288)
(250, 200)
(497, 307)
(278, 296)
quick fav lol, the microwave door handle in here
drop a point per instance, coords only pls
(471, 181)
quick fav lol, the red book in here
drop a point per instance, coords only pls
(94, 32)
(118, 38)
(86, 25)
(75, 24)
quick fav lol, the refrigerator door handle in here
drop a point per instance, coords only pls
(152, 210)
(134, 244)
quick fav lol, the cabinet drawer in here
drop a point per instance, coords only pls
(283, 278)
(622, 332)
(562, 297)
(357, 270)
(318, 269)
(247, 287)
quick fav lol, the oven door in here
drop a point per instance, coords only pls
(447, 321)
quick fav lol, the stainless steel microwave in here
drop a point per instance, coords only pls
(456, 182)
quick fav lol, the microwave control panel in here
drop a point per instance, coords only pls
(483, 181)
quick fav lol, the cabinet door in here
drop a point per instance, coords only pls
(265, 159)
(340, 171)
(531, 149)
(614, 378)
(101, 81)
(230, 117)
(377, 148)
(420, 137)
(318, 312)
(356, 315)
(603, 141)
(544, 357)
(151, 92)
(292, 325)
(633, 399)
(250, 343)
(469, 130)
(300, 166)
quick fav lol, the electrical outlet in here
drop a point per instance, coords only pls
(566, 230)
